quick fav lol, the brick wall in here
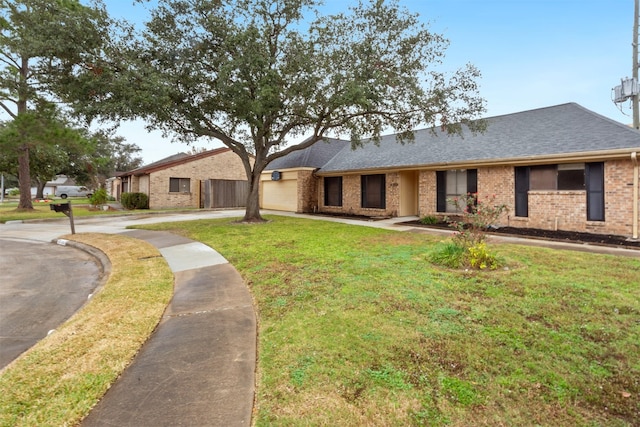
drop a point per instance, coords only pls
(307, 191)
(494, 184)
(352, 197)
(550, 210)
(226, 165)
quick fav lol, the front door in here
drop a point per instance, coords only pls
(408, 193)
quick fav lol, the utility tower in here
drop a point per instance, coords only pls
(628, 88)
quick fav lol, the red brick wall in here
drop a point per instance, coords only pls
(351, 197)
(550, 210)
(307, 191)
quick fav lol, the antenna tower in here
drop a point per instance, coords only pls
(628, 88)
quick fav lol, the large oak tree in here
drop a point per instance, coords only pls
(41, 44)
(260, 74)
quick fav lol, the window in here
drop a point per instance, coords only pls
(573, 176)
(452, 184)
(333, 191)
(373, 191)
(557, 177)
(179, 185)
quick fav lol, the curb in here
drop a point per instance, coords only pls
(102, 259)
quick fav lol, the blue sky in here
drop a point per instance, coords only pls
(532, 54)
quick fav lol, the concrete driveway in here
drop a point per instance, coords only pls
(41, 286)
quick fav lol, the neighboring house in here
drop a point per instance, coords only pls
(50, 186)
(189, 181)
(562, 167)
(113, 185)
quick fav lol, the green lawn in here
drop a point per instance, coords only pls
(80, 206)
(357, 327)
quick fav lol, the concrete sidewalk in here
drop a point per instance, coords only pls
(198, 368)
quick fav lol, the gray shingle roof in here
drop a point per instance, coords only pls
(558, 130)
(314, 156)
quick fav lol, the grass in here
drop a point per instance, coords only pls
(358, 327)
(62, 377)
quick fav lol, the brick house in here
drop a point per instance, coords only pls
(290, 184)
(562, 167)
(179, 181)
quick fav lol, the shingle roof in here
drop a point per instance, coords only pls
(314, 156)
(173, 160)
(559, 130)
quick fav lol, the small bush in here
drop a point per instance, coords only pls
(99, 197)
(429, 220)
(135, 201)
(448, 254)
(481, 258)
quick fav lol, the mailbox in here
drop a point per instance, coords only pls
(60, 207)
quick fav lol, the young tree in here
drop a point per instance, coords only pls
(40, 43)
(257, 74)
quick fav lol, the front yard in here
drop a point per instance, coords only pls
(357, 327)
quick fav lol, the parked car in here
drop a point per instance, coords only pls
(11, 191)
(65, 191)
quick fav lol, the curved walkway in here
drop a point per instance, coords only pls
(198, 367)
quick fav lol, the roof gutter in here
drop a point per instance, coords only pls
(634, 159)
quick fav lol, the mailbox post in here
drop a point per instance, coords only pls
(65, 208)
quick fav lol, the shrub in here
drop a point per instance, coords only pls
(475, 219)
(99, 197)
(135, 201)
(448, 254)
(481, 258)
(468, 247)
(429, 220)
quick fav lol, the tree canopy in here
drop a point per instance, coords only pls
(63, 148)
(42, 42)
(258, 75)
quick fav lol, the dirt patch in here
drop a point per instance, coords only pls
(559, 235)
(352, 216)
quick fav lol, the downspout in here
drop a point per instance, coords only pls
(634, 159)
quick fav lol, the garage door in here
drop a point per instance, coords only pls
(280, 195)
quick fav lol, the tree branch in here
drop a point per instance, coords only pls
(7, 109)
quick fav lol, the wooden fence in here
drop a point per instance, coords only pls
(223, 193)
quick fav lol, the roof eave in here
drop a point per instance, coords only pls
(578, 157)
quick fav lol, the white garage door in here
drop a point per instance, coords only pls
(280, 195)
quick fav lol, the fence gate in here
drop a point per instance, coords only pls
(223, 193)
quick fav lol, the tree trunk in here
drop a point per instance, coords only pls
(252, 212)
(24, 179)
(40, 189)
(24, 171)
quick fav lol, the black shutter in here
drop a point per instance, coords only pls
(522, 191)
(472, 181)
(594, 174)
(441, 191)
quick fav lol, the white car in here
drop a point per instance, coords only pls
(65, 191)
